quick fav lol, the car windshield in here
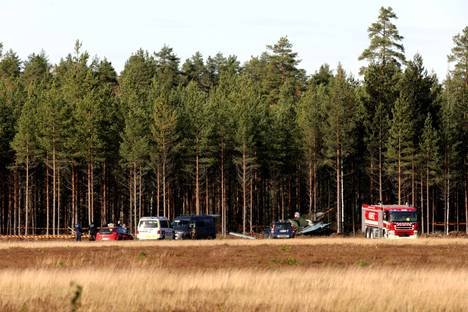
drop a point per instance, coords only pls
(148, 224)
(180, 223)
(403, 216)
(106, 231)
(164, 224)
(282, 226)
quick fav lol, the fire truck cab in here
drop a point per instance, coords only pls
(389, 221)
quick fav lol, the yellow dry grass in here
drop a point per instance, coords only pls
(353, 289)
(280, 277)
(235, 242)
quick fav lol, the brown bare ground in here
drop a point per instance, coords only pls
(323, 274)
(236, 254)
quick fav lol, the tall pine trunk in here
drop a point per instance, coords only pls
(422, 205)
(135, 202)
(311, 195)
(338, 192)
(197, 183)
(164, 185)
(90, 192)
(413, 181)
(158, 189)
(74, 207)
(244, 189)
(54, 189)
(130, 199)
(47, 195)
(427, 198)
(140, 193)
(315, 189)
(26, 203)
(371, 179)
(448, 206)
(380, 173)
(104, 194)
(251, 204)
(223, 195)
(466, 204)
(16, 212)
(342, 193)
(207, 195)
(399, 173)
(58, 200)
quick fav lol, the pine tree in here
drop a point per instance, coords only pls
(385, 46)
(194, 121)
(338, 140)
(246, 115)
(51, 119)
(384, 56)
(429, 156)
(310, 120)
(194, 69)
(221, 105)
(167, 68)
(164, 137)
(451, 143)
(110, 126)
(400, 148)
(281, 67)
(457, 90)
(12, 98)
(135, 84)
(26, 148)
(459, 56)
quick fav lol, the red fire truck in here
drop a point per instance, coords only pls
(389, 221)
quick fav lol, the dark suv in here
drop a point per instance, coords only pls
(282, 229)
(194, 227)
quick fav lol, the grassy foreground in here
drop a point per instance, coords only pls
(235, 275)
(235, 290)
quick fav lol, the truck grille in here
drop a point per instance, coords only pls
(403, 227)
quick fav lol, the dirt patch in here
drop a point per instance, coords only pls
(223, 256)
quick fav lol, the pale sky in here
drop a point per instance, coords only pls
(328, 31)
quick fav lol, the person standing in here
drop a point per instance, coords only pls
(78, 232)
(92, 232)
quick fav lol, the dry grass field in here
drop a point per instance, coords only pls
(323, 274)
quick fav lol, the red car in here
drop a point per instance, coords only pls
(113, 233)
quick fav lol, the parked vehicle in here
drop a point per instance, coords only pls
(389, 221)
(282, 229)
(154, 228)
(194, 227)
(113, 233)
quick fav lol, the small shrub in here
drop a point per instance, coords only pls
(60, 263)
(142, 255)
(362, 263)
(287, 261)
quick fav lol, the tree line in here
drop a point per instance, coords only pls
(251, 143)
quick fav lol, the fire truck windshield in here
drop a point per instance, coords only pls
(403, 216)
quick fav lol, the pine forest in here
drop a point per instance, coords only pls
(250, 143)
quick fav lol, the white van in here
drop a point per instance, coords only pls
(154, 228)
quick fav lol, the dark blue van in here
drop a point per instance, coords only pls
(194, 227)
